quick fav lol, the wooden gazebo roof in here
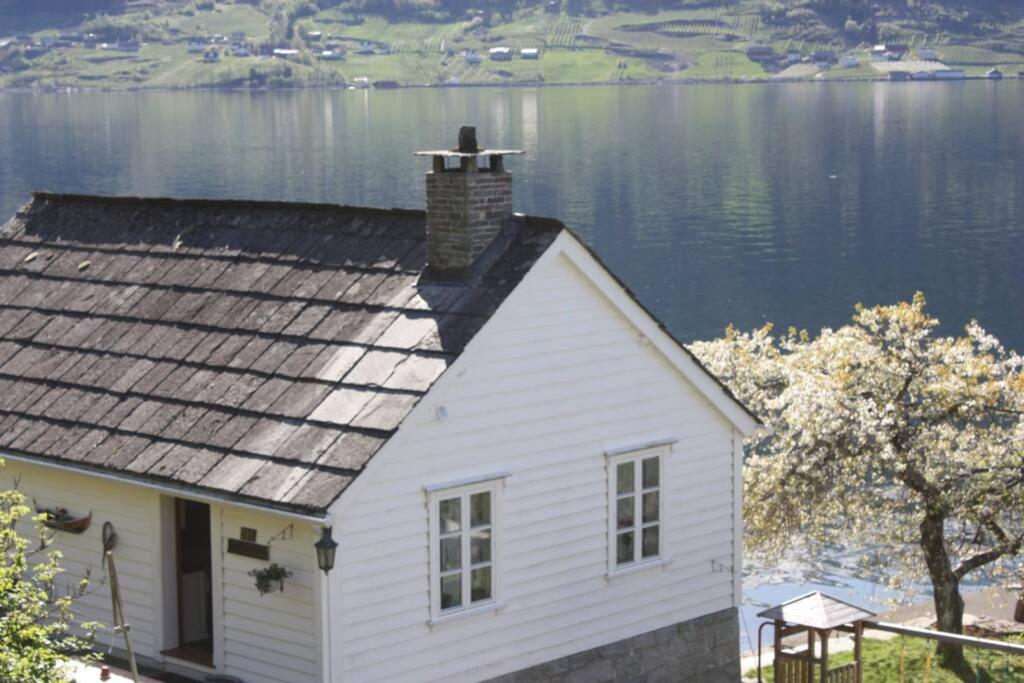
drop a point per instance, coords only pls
(816, 610)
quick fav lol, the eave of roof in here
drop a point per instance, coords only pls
(661, 326)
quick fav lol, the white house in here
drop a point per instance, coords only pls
(500, 54)
(477, 454)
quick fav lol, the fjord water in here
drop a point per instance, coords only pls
(715, 204)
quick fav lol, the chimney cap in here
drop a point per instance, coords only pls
(454, 153)
(467, 147)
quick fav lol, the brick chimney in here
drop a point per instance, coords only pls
(468, 208)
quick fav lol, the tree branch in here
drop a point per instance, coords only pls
(1007, 546)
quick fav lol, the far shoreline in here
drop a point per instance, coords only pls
(511, 84)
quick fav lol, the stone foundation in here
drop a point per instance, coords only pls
(703, 650)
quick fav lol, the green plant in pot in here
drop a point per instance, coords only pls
(270, 577)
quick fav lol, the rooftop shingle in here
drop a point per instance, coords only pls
(260, 350)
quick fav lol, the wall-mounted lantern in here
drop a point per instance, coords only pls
(325, 549)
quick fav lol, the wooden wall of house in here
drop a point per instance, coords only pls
(259, 638)
(558, 376)
(133, 512)
(273, 637)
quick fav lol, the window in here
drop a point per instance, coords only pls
(635, 508)
(463, 548)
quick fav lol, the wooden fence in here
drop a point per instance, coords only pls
(793, 669)
(844, 674)
(798, 669)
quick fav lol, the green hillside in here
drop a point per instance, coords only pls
(60, 44)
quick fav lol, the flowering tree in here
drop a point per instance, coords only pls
(886, 436)
(35, 619)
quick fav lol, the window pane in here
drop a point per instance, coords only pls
(451, 553)
(624, 478)
(480, 547)
(651, 506)
(451, 591)
(480, 509)
(650, 548)
(650, 473)
(625, 512)
(624, 548)
(481, 584)
(451, 515)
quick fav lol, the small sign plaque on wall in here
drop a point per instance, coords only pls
(256, 551)
(248, 535)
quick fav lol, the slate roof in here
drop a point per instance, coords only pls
(264, 351)
(817, 610)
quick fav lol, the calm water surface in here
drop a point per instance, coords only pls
(716, 204)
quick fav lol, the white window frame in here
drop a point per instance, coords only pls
(616, 458)
(436, 494)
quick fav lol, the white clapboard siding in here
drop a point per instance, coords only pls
(556, 377)
(134, 513)
(265, 639)
(273, 637)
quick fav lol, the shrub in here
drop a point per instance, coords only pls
(35, 621)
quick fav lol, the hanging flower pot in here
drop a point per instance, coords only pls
(270, 578)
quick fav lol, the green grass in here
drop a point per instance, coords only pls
(224, 20)
(861, 72)
(911, 660)
(712, 65)
(966, 55)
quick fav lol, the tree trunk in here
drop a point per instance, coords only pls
(949, 606)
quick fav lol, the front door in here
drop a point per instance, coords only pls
(193, 569)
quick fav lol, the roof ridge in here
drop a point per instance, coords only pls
(228, 203)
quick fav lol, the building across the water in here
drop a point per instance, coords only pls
(500, 54)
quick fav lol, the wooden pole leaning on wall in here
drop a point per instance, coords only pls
(117, 604)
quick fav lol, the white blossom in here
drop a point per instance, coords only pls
(878, 428)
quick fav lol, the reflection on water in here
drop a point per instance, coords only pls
(717, 204)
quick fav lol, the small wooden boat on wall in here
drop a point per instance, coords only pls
(60, 519)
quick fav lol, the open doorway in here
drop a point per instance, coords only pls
(193, 570)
